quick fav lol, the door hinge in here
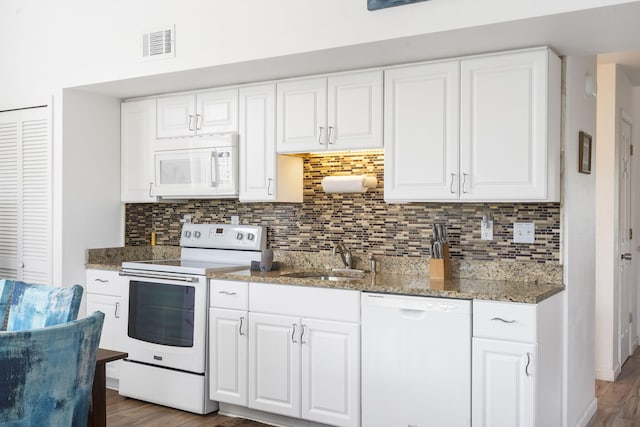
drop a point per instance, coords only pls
(631, 149)
(630, 233)
(630, 317)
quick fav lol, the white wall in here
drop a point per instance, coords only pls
(578, 225)
(47, 45)
(87, 208)
(614, 96)
(635, 250)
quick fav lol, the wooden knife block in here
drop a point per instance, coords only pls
(440, 269)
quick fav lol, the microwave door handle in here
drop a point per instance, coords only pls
(214, 168)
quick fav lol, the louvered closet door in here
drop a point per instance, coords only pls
(9, 194)
(25, 193)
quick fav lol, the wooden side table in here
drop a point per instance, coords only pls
(98, 411)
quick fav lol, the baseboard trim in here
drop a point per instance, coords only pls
(607, 374)
(588, 414)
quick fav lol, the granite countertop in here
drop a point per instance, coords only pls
(411, 284)
(511, 282)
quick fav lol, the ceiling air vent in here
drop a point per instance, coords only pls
(159, 43)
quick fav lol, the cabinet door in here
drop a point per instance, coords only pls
(113, 330)
(302, 116)
(228, 356)
(354, 114)
(257, 143)
(503, 390)
(331, 372)
(176, 116)
(421, 133)
(217, 111)
(137, 134)
(274, 364)
(503, 127)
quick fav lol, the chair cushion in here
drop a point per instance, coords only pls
(6, 286)
(47, 374)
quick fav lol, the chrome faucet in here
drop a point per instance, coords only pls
(345, 254)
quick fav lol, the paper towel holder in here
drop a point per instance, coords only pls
(349, 183)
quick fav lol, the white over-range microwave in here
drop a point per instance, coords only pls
(205, 167)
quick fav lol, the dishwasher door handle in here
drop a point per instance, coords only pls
(410, 313)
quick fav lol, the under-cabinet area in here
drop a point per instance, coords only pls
(472, 129)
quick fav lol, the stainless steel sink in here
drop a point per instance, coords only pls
(326, 275)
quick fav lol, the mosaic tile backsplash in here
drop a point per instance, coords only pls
(363, 222)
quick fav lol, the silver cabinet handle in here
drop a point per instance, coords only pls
(269, 187)
(464, 183)
(453, 180)
(320, 136)
(198, 121)
(626, 257)
(526, 368)
(500, 319)
(101, 280)
(329, 135)
(293, 334)
(150, 188)
(240, 327)
(191, 122)
(227, 293)
(116, 312)
(302, 334)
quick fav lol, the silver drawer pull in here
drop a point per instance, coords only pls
(293, 334)
(526, 368)
(240, 327)
(500, 319)
(227, 293)
(102, 280)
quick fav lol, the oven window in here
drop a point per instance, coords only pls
(162, 314)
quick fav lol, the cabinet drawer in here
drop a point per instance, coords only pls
(103, 282)
(505, 321)
(229, 294)
(319, 303)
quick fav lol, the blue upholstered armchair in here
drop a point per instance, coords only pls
(36, 306)
(46, 374)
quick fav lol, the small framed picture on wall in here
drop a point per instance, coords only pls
(584, 156)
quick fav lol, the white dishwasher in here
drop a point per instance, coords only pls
(416, 361)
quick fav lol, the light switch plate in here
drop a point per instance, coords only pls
(524, 232)
(486, 230)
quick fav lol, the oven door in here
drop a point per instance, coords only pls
(166, 319)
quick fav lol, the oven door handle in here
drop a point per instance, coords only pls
(165, 276)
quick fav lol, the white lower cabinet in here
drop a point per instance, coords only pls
(304, 353)
(517, 364)
(228, 350)
(103, 294)
(503, 383)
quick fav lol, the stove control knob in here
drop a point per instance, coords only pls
(196, 234)
(251, 236)
(187, 234)
(238, 236)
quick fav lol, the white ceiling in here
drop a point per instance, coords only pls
(588, 32)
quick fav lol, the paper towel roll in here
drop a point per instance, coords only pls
(348, 184)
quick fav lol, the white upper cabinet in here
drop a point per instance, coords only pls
(138, 125)
(501, 144)
(509, 127)
(421, 132)
(337, 113)
(214, 111)
(265, 175)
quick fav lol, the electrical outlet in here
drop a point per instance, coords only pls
(486, 230)
(186, 219)
(524, 232)
(235, 219)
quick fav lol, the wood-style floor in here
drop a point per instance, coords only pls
(619, 401)
(618, 406)
(122, 411)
